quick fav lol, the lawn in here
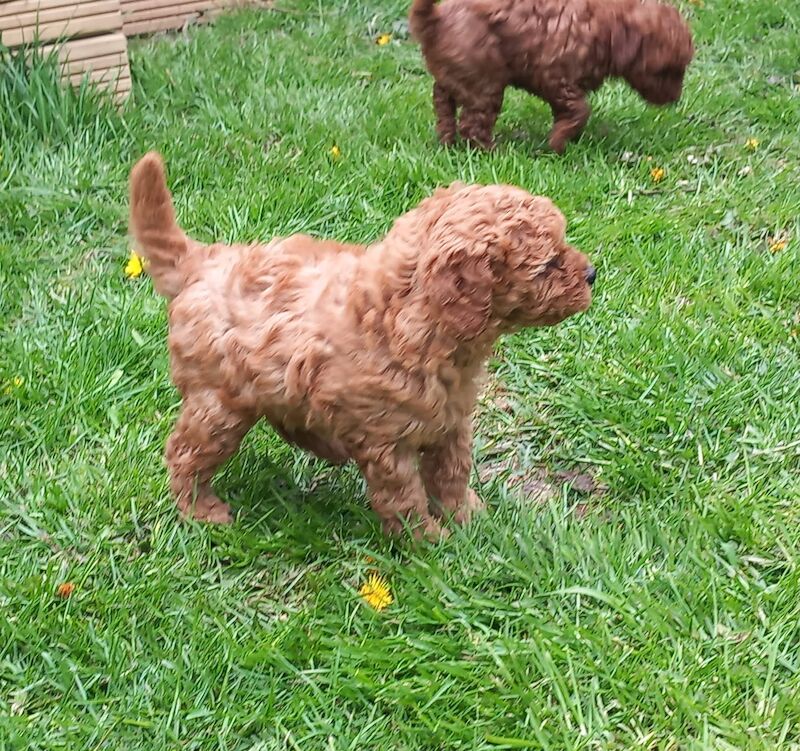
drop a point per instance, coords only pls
(635, 582)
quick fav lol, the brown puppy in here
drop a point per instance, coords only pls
(372, 354)
(558, 50)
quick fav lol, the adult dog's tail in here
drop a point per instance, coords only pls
(422, 18)
(153, 226)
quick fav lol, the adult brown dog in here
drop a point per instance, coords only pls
(559, 50)
(372, 354)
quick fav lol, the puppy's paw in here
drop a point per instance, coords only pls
(219, 514)
(422, 529)
(431, 531)
(480, 143)
(210, 509)
(558, 143)
(472, 505)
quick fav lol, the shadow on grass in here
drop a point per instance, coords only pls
(298, 504)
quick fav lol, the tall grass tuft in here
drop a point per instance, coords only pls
(36, 104)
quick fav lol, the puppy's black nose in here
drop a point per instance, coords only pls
(590, 275)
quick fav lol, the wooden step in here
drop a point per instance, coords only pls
(104, 58)
(91, 48)
(89, 36)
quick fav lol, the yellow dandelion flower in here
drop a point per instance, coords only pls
(657, 174)
(376, 593)
(15, 383)
(135, 265)
(751, 144)
(776, 246)
(383, 39)
(335, 152)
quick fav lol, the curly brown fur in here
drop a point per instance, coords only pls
(371, 354)
(559, 50)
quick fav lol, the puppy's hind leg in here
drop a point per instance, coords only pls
(445, 470)
(444, 105)
(206, 435)
(396, 491)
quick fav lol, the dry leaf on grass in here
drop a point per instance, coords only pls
(537, 487)
(581, 481)
(581, 511)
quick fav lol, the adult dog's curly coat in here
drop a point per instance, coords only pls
(557, 49)
(372, 354)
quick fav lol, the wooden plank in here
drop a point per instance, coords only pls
(221, 6)
(160, 24)
(82, 55)
(136, 6)
(147, 16)
(43, 16)
(108, 76)
(122, 91)
(118, 61)
(83, 49)
(15, 7)
(179, 15)
(119, 88)
(63, 29)
(153, 10)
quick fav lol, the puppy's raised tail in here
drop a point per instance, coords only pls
(156, 233)
(422, 18)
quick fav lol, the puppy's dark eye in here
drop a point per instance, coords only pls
(553, 263)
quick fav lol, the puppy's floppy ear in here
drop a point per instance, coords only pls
(459, 286)
(535, 232)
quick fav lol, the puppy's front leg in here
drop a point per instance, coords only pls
(570, 114)
(396, 491)
(445, 470)
(478, 118)
(445, 107)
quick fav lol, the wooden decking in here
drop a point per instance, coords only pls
(91, 35)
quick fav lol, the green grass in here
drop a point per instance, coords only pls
(661, 614)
